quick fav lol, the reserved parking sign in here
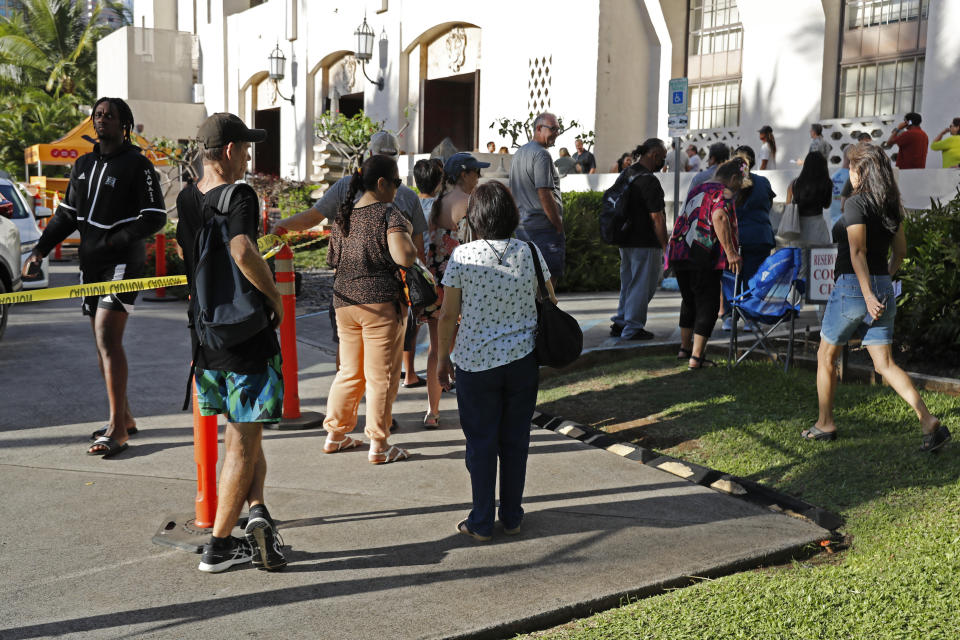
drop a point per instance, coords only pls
(822, 260)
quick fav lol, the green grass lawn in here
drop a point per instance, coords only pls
(900, 577)
(311, 258)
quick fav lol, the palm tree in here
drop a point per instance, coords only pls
(51, 44)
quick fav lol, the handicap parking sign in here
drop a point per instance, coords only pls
(678, 96)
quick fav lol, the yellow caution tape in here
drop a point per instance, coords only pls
(92, 289)
(268, 245)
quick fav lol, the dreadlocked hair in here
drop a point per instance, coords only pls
(123, 112)
(364, 179)
(877, 184)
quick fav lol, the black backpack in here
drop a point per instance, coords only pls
(225, 308)
(615, 221)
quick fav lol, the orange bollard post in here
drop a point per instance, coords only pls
(190, 531)
(160, 293)
(293, 418)
(205, 455)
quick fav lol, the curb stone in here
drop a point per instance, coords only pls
(695, 473)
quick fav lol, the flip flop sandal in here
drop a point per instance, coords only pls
(112, 447)
(431, 421)
(99, 433)
(702, 362)
(414, 385)
(333, 446)
(813, 433)
(935, 439)
(463, 529)
(393, 454)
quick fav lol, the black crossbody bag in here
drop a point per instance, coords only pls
(559, 338)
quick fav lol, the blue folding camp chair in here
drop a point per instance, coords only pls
(772, 297)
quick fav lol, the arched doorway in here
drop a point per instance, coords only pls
(334, 84)
(259, 108)
(449, 57)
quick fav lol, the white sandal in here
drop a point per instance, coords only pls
(431, 421)
(332, 446)
(393, 454)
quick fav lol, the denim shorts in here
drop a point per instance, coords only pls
(846, 315)
(552, 245)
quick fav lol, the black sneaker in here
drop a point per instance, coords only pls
(616, 330)
(935, 440)
(266, 543)
(217, 560)
(641, 334)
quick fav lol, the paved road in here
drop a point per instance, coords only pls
(372, 550)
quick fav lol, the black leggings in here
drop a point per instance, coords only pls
(700, 290)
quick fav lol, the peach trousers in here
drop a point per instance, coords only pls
(371, 348)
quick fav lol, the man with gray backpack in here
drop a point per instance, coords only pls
(632, 218)
(234, 309)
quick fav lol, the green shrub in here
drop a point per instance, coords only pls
(592, 265)
(294, 198)
(928, 315)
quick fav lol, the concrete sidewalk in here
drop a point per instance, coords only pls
(372, 550)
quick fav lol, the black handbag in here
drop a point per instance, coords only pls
(419, 288)
(421, 291)
(559, 338)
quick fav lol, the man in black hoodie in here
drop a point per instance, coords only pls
(114, 200)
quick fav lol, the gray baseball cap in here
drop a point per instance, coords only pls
(383, 143)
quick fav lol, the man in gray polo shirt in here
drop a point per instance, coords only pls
(382, 143)
(535, 184)
(385, 144)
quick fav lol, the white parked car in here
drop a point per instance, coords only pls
(25, 218)
(9, 262)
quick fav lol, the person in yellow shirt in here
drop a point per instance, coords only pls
(951, 146)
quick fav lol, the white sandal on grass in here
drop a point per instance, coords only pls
(332, 446)
(393, 454)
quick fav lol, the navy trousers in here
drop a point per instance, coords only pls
(496, 407)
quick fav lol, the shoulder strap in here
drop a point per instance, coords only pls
(541, 285)
(223, 204)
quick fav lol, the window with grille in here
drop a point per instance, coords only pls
(714, 27)
(715, 104)
(871, 13)
(882, 88)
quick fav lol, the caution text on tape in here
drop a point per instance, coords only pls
(92, 289)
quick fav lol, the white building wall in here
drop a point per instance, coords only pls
(782, 73)
(941, 88)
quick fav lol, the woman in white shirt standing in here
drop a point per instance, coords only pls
(768, 150)
(491, 284)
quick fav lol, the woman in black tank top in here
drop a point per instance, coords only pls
(862, 304)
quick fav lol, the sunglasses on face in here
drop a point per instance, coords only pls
(552, 129)
(396, 182)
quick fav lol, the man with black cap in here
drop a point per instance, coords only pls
(243, 382)
(912, 142)
(382, 143)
